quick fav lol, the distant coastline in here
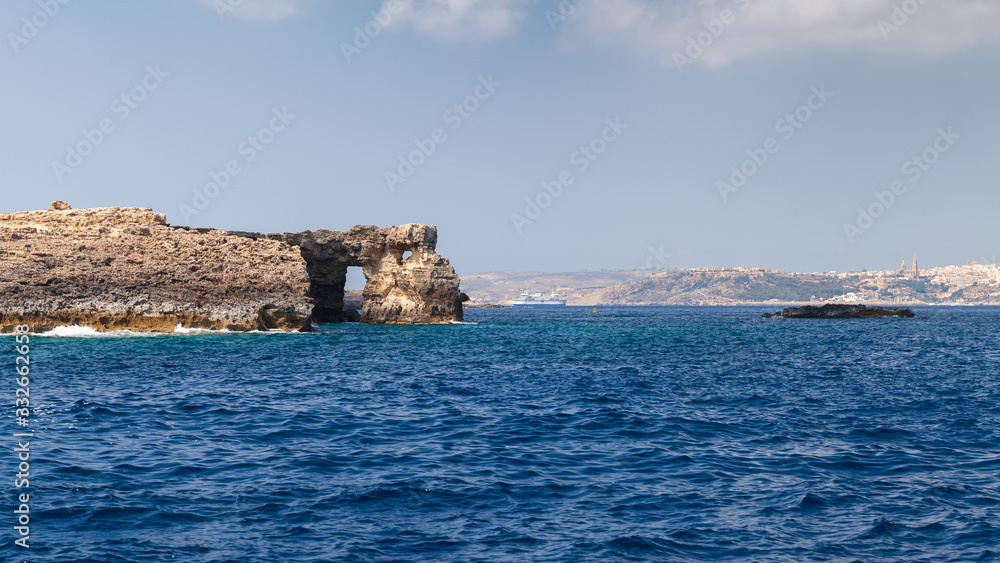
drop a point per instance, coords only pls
(970, 284)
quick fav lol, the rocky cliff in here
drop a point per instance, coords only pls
(127, 268)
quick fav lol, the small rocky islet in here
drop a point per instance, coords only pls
(840, 311)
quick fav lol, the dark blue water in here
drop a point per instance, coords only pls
(632, 434)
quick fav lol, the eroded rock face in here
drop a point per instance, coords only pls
(422, 288)
(126, 268)
(410, 280)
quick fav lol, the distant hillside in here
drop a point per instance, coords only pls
(579, 288)
(714, 287)
(646, 287)
(731, 286)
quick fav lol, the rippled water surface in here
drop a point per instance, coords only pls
(630, 434)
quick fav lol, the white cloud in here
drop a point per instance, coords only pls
(460, 20)
(661, 28)
(256, 10)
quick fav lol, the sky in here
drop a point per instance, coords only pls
(537, 135)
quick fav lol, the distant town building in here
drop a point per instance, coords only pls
(904, 273)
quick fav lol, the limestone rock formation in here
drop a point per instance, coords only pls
(126, 268)
(839, 311)
(407, 280)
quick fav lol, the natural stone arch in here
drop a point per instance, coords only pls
(422, 288)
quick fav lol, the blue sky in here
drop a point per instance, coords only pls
(646, 109)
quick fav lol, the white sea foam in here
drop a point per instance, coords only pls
(77, 331)
(72, 331)
(179, 329)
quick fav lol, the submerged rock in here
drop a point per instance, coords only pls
(840, 311)
(118, 268)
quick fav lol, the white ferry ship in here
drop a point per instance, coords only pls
(537, 299)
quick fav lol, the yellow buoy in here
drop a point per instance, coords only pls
(595, 309)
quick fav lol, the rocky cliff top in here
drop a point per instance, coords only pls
(108, 217)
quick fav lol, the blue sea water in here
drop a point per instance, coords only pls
(630, 434)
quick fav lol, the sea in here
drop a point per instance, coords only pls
(522, 435)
